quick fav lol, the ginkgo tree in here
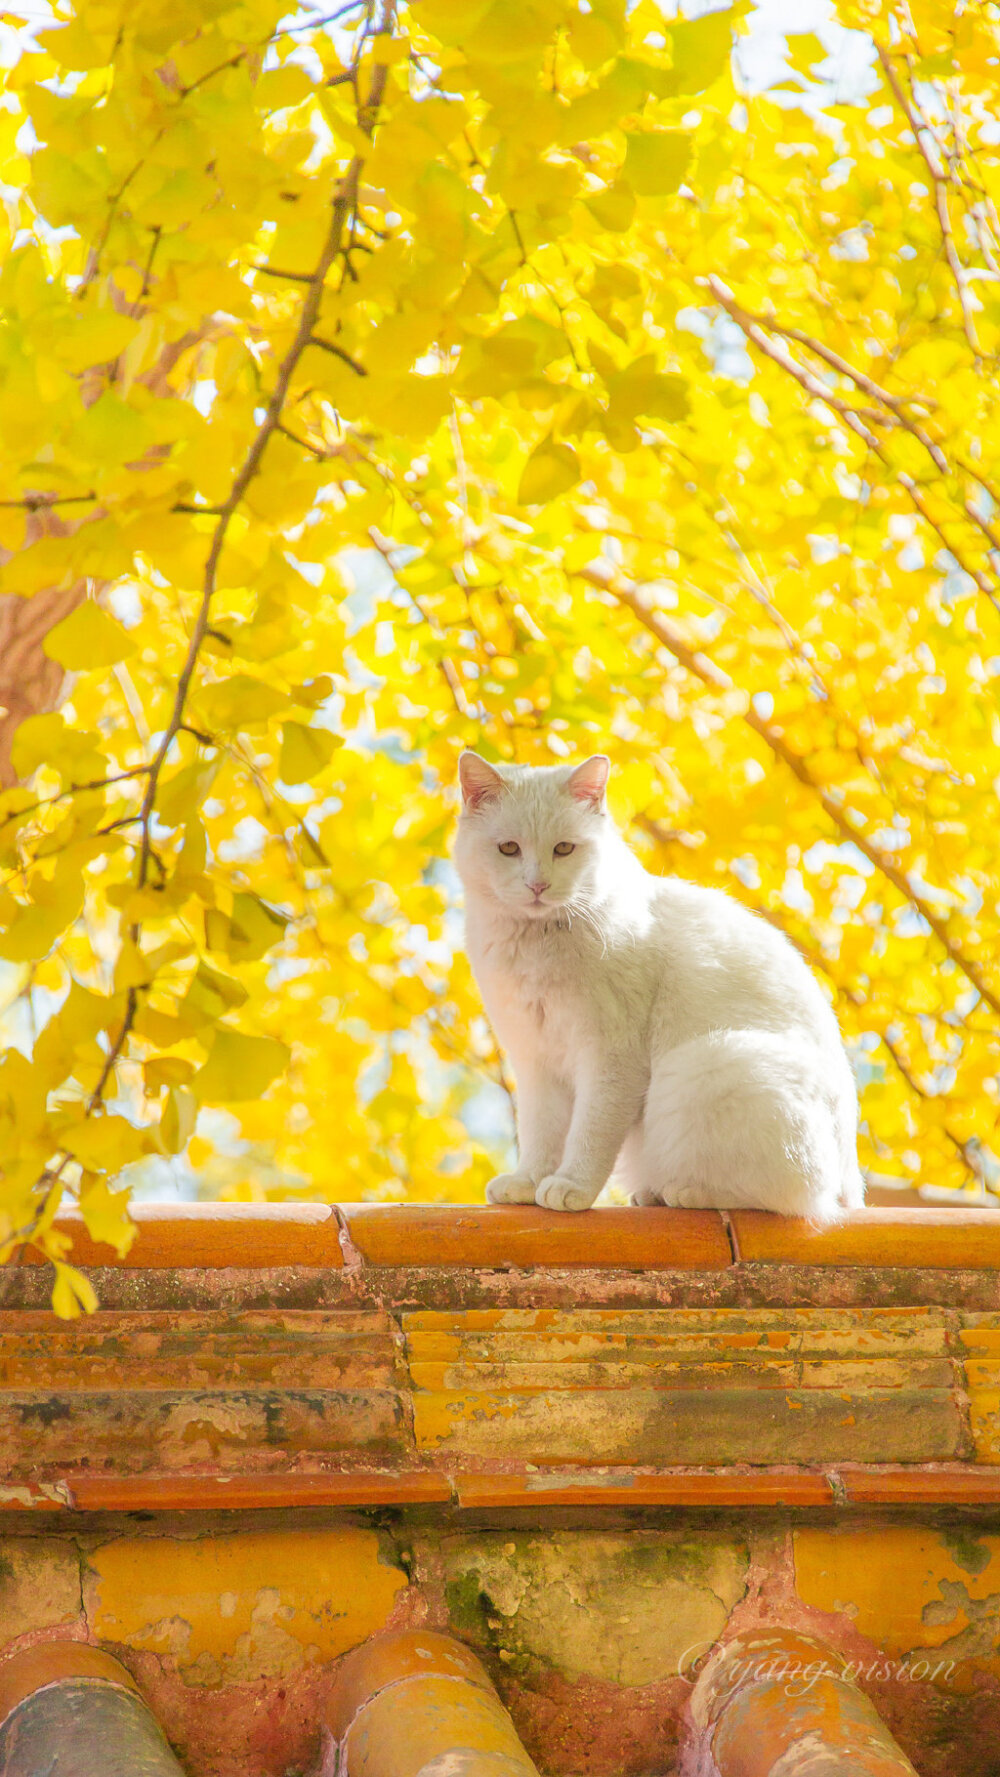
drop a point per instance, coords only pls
(521, 373)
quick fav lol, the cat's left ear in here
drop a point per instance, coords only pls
(590, 780)
(480, 783)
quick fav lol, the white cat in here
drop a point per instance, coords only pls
(653, 1025)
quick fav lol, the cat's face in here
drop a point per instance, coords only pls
(529, 837)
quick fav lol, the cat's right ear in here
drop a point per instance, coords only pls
(480, 783)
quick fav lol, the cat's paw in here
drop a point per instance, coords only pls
(557, 1192)
(511, 1187)
(643, 1199)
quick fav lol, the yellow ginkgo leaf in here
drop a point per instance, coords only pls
(180, 1113)
(105, 1212)
(239, 1067)
(550, 470)
(88, 639)
(72, 1292)
(656, 161)
(699, 51)
(305, 752)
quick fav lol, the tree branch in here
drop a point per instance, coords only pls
(856, 419)
(819, 966)
(939, 185)
(327, 345)
(627, 593)
(896, 406)
(342, 207)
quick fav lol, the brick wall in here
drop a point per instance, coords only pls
(589, 1447)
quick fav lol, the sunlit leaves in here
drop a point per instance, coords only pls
(637, 409)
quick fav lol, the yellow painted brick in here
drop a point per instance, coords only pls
(641, 1335)
(907, 1588)
(981, 1332)
(627, 1607)
(984, 1420)
(235, 1608)
(982, 1374)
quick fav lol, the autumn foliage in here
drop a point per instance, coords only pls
(512, 372)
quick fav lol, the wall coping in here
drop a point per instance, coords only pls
(949, 1487)
(222, 1236)
(478, 1359)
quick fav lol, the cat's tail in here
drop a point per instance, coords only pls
(852, 1191)
(833, 1209)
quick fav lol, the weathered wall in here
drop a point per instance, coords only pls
(487, 1356)
(587, 1446)
(590, 1630)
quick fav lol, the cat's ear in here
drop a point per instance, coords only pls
(480, 783)
(590, 780)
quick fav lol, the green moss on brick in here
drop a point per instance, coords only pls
(632, 1609)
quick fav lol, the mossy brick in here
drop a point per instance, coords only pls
(39, 1585)
(201, 1351)
(509, 1376)
(129, 1431)
(627, 1608)
(236, 1608)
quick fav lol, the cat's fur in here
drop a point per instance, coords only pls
(653, 1025)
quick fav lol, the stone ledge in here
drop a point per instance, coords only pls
(232, 1236)
(286, 1357)
(213, 1236)
(527, 1492)
(373, 1405)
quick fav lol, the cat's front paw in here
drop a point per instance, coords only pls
(557, 1192)
(511, 1187)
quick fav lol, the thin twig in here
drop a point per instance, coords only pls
(41, 502)
(939, 185)
(856, 419)
(97, 783)
(449, 671)
(895, 403)
(304, 443)
(819, 964)
(292, 277)
(627, 593)
(328, 345)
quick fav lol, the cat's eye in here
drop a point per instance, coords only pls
(510, 848)
(563, 849)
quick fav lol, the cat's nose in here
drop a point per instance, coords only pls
(538, 888)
